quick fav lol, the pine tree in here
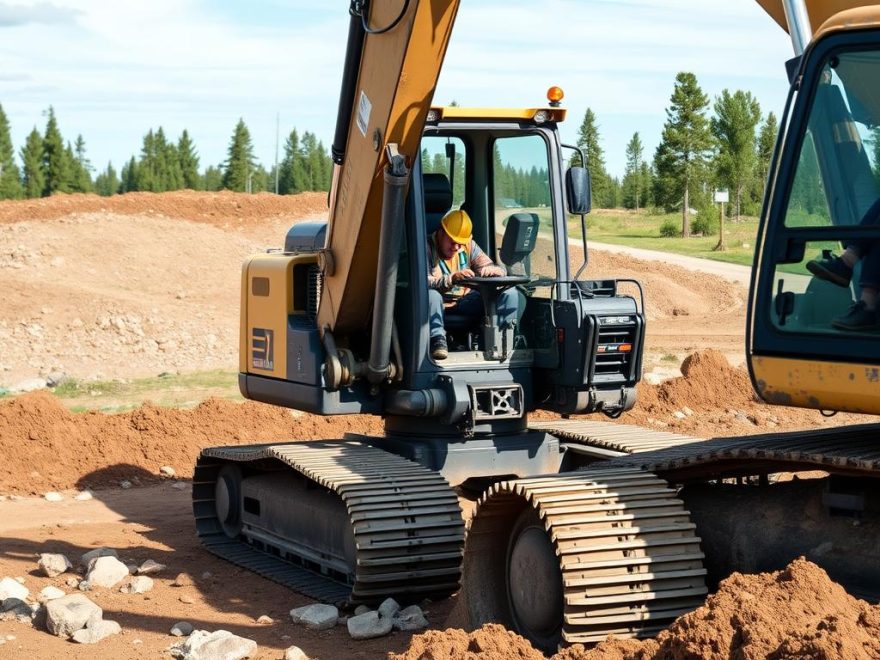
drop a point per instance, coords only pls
(81, 178)
(32, 163)
(682, 156)
(632, 177)
(130, 177)
(766, 144)
(291, 175)
(212, 180)
(239, 165)
(107, 183)
(736, 117)
(10, 183)
(171, 175)
(56, 165)
(188, 158)
(588, 140)
(147, 169)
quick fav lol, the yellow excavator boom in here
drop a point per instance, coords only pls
(397, 76)
(820, 11)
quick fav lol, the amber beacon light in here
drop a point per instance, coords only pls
(555, 96)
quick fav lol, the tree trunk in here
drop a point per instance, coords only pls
(686, 215)
(739, 189)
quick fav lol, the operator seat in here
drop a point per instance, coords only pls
(438, 199)
(518, 243)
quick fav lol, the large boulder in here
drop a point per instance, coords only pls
(106, 572)
(53, 565)
(87, 558)
(315, 617)
(64, 616)
(96, 631)
(368, 625)
(10, 588)
(218, 645)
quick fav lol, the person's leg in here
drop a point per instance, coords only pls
(863, 315)
(470, 304)
(435, 313)
(508, 308)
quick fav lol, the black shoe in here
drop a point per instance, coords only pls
(859, 317)
(831, 269)
(439, 349)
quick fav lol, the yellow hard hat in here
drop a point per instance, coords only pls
(458, 226)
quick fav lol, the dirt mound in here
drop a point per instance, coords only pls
(222, 208)
(46, 447)
(797, 612)
(491, 642)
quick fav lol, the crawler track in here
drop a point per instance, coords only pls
(624, 545)
(407, 524)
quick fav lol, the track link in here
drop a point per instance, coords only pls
(407, 524)
(626, 551)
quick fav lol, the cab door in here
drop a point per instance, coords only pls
(812, 337)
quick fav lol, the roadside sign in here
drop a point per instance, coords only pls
(722, 197)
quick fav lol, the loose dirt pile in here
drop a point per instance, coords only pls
(46, 447)
(140, 284)
(794, 613)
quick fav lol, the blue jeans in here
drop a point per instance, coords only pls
(471, 305)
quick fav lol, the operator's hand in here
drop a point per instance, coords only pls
(462, 274)
(492, 271)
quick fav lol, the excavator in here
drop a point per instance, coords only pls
(582, 528)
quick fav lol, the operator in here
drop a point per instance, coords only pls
(453, 255)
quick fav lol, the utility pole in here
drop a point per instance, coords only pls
(277, 128)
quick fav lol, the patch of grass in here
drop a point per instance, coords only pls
(669, 357)
(171, 390)
(643, 230)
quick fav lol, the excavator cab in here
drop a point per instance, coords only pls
(813, 339)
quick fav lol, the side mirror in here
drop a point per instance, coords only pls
(577, 190)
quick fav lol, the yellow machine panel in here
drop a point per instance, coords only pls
(818, 385)
(820, 10)
(267, 298)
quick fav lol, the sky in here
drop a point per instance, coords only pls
(114, 70)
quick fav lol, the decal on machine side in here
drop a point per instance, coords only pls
(263, 349)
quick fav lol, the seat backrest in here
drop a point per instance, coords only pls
(438, 199)
(519, 241)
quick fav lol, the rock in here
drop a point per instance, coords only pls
(218, 645)
(106, 572)
(389, 608)
(181, 629)
(64, 616)
(15, 609)
(678, 414)
(55, 379)
(139, 585)
(83, 496)
(50, 593)
(166, 471)
(96, 631)
(86, 559)
(265, 620)
(294, 653)
(687, 411)
(53, 565)
(183, 580)
(180, 485)
(29, 385)
(361, 609)
(187, 600)
(315, 617)
(72, 582)
(150, 567)
(368, 626)
(53, 496)
(84, 585)
(132, 569)
(10, 588)
(207, 575)
(410, 618)
(125, 484)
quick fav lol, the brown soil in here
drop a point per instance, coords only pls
(140, 284)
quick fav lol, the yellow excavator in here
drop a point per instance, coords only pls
(581, 529)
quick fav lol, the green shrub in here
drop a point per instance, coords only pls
(704, 224)
(670, 229)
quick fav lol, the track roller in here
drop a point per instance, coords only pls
(575, 557)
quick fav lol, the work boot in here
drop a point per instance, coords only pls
(831, 269)
(439, 349)
(859, 317)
